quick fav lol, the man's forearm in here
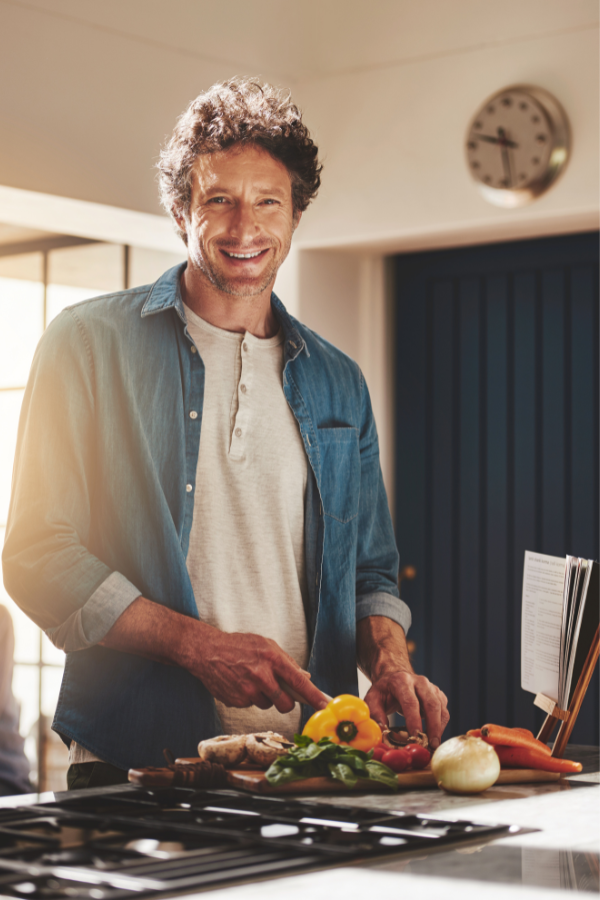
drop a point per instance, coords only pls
(381, 647)
(156, 632)
(238, 669)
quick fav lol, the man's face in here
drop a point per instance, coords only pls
(241, 220)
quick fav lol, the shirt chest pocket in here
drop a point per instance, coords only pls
(340, 472)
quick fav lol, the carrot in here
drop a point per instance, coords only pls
(527, 758)
(513, 737)
(474, 732)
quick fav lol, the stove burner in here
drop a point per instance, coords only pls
(141, 842)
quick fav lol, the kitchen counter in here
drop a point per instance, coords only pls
(555, 845)
(559, 853)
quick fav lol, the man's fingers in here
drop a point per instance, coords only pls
(374, 701)
(434, 705)
(410, 708)
(298, 686)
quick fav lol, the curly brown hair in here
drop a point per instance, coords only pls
(238, 111)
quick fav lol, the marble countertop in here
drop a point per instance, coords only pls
(557, 850)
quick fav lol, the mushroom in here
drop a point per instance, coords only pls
(227, 749)
(399, 737)
(264, 748)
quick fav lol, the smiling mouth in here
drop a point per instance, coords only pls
(254, 255)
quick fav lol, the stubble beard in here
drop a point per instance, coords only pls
(232, 286)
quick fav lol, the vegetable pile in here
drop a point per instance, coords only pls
(310, 759)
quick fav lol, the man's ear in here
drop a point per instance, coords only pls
(296, 219)
(179, 217)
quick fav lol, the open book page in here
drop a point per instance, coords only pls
(570, 579)
(574, 578)
(585, 628)
(543, 585)
(574, 617)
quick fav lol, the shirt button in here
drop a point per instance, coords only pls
(193, 414)
(243, 388)
(245, 346)
(193, 349)
(189, 488)
(238, 432)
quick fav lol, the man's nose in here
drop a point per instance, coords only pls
(244, 224)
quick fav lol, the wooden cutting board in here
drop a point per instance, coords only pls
(254, 781)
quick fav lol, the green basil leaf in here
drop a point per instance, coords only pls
(342, 772)
(277, 776)
(378, 772)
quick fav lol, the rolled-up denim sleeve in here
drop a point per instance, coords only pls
(380, 604)
(377, 555)
(48, 568)
(92, 622)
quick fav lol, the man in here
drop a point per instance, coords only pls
(198, 516)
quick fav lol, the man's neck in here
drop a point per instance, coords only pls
(228, 311)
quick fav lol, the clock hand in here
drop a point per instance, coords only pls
(494, 140)
(503, 141)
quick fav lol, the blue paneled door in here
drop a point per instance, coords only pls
(496, 453)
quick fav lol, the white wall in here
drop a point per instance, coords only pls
(395, 178)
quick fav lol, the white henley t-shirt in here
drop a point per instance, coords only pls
(246, 552)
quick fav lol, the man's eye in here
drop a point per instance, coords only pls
(270, 201)
(217, 200)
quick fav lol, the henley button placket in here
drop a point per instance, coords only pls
(193, 414)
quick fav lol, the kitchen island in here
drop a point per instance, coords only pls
(117, 842)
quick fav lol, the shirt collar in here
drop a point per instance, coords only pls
(166, 293)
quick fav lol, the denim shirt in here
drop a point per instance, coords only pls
(103, 498)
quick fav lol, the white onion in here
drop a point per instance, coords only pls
(465, 765)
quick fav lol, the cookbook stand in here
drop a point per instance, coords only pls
(567, 717)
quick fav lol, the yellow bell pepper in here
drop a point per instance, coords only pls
(345, 720)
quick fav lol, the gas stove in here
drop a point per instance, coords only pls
(135, 841)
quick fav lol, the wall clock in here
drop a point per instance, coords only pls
(517, 145)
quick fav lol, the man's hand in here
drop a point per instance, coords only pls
(238, 669)
(248, 670)
(383, 656)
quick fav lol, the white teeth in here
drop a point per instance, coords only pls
(244, 255)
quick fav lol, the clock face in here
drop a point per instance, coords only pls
(516, 145)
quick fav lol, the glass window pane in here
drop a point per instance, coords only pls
(21, 315)
(78, 273)
(51, 654)
(51, 681)
(10, 408)
(26, 691)
(145, 266)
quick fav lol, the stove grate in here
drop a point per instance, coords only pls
(155, 841)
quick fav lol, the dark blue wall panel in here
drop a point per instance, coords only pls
(497, 452)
